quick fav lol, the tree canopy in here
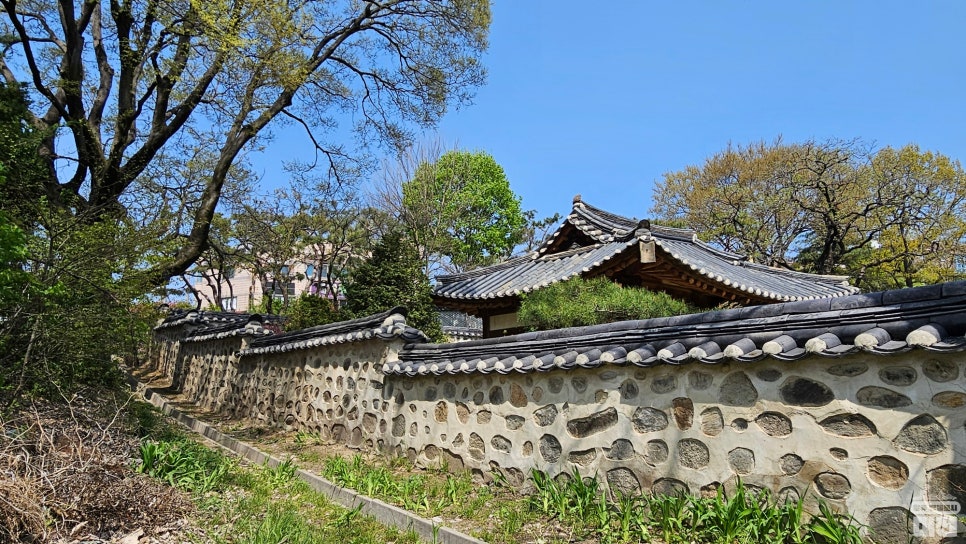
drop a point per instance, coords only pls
(393, 276)
(888, 218)
(128, 92)
(460, 208)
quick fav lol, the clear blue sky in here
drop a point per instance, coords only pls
(604, 101)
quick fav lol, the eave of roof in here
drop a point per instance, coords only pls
(931, 318)
(614, 234)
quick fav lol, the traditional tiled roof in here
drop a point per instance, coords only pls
(527, 273)
(930, 318)
(387, 325)
(611, 236)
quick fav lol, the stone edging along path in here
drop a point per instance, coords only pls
(386, 514)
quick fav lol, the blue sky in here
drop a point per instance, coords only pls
(604, 101)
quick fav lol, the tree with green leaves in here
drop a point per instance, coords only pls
(888, 218)
(393, 276)
(461, 212)
(122, 87)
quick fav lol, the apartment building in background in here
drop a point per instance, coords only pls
(242, 289)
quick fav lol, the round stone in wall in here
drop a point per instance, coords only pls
(462, 412)
(791, 463)
(527, 448)
(399, 425)
(583, 457)
(579, 383)
(664, 384)
(429, 394)
(670, 486)
(441, 412)
(550, 448)
(947, 483)
(799, 391)
(838, 453)
(624, 481)
(514, 422)
(940, 371)
(742, 460)
(555, 384)
(880, 397)
(699, 380)
(898, 375)
(449, 390)
(693, 453)
(833, 485)
(477, 448)
(891, 525)
(923, 434)
(888, 472)
(711, 421)
(949, 399)
(710, 491)
(478, 398)
(737, 390)
(496, 395)
(546, 415)
(787, 494)
(537, 394)
(592, 424)
(739, 424)
(647, 420)
(769, 374)
(655, 452)
(517, 397)
(847, 369)
(848, 425)
(629, 390)
(620, 450)
(774, 424)
(683, 410)
(501, 443)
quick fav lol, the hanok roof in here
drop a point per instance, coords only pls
(931, 318)
(594, 242)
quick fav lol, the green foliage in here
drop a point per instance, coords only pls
(743, 516)
(70, 288)
(888, 218)
(184, 464)
(461, 208)
(310, 311)
(393, 276)
(577, 302)
(153, 128)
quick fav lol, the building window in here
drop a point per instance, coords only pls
(284, 271)
(309, 270)
(229, 304)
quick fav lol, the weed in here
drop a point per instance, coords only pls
(184, 464)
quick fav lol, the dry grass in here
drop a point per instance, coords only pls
(67, 475)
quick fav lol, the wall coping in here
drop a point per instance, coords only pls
(931, 318)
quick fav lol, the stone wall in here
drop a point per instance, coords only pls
(868, 433)
(860, 401)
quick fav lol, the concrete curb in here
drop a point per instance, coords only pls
(386, 514)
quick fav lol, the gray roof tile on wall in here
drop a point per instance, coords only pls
(388, 325)
(931, 318)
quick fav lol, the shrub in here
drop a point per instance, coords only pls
(577, 302)
(310, 311)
